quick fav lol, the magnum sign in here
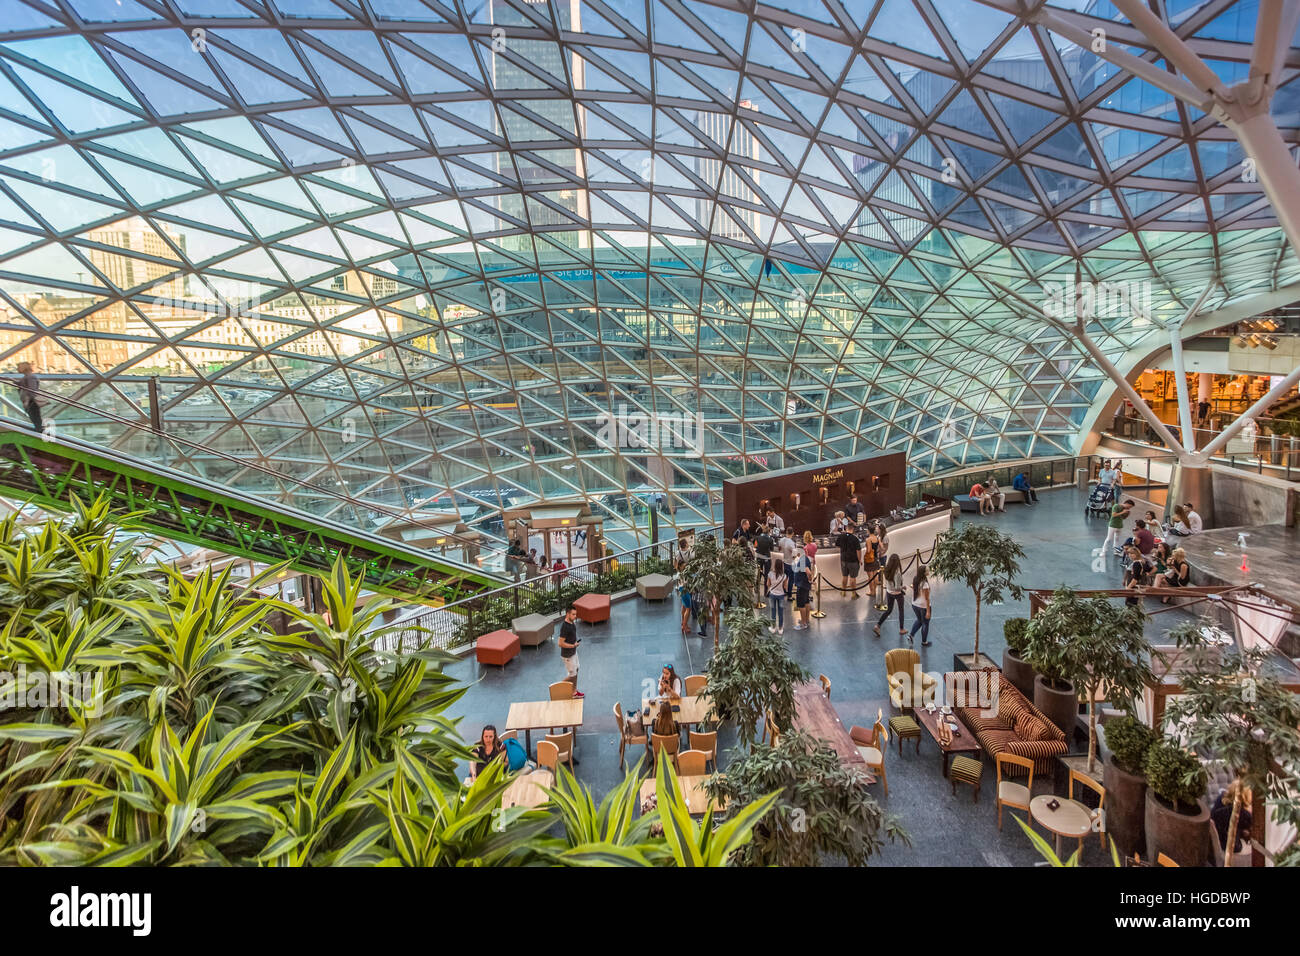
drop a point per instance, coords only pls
(826, 477)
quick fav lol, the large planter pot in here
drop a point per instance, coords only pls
(1183, 837)
(1126, 797)
(1018, 672)
(1060, 706)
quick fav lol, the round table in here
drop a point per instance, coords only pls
(1070, 819)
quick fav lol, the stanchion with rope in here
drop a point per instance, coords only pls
(817, 611)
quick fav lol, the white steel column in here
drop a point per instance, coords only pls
(1176, 350)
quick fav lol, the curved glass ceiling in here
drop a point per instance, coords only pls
(434, 253)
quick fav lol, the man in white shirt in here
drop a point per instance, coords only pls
(1193, 519)
(789, 552)
(774, 521)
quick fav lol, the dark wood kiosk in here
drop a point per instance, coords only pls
(807, 497)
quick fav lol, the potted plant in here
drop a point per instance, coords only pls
(752, 675)
(987, 562)
(1235, 710)
(1014, 666)
(719, 576)
(1124, 777)
(1046, 649)
(1109, 655)
(1177, 819)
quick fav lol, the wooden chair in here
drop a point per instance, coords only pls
(826, 685)
(627, 734)
(548, 755)
(1009, 793)
(706, 743)
(1086, 781)
(692, 763)
(1165, 861)
(665, 742)
(564, 744)
(694, 684)
(872, 745)
(508, 735)
(562, 690)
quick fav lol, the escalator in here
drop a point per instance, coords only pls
(47, 470)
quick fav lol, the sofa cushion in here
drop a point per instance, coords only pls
(978, 723)
(1029, 727)
(996, 741)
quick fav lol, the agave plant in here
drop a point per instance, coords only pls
(703, 844)
(1047, 853)
(611, 834)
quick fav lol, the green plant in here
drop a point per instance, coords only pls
(984, 559)
(1013, 633)
(1234, 709)
(1129, 740)
(1290, 856)
(751, 675)
(703, 843)
(720, 576)
(823, 809)
(610, 834)
(1047, 853)
(1175, 775)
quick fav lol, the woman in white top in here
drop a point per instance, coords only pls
(670, 685)
(894, 587)
(839, 523)
(920, 606)
(776, 595)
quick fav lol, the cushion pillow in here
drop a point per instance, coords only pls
(1029, 727)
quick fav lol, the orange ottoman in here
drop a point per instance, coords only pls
(592, 608)
(498, 648)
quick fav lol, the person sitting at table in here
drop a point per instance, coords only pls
(664, 723)
(670, 685)
(489, 748)
(1021, 484)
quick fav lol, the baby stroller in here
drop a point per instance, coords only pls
(1099, 501)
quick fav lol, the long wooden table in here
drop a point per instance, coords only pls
(815, 715)
(526, 790)
(692, 788)
(543, 715)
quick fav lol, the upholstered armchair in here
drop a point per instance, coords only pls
(909, 686)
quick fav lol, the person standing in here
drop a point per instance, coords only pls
(776, 597)
(871, 560)
(850, 547)
(1115, 527)
(804, 572)
(569, 642)
(788, 549)
(763, 551)
(921, 606)
(894, 587)
(775, 521)
(29, 393)
(854, 511)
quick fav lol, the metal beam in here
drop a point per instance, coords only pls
(1170, 44)
(1176, 348)
(1276, 168)
(1115, 375)
(1228, 433)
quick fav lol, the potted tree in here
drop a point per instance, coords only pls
(1111, 655)
(1014, 666)
(1176, 819)
(987, 562)
(752, 675)
(1047, 650)
(823, 809)
(719, 576)
(1124, 777)
(1236, 711)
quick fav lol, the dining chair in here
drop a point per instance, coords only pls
(706, 742)
(564, 744)
(694, 684)
(872, 744)
(1165, 861)
(1010, 793)
(692, 763)
(627, 734)
(826, 685)
(669, 743)
(548, 754)
(1087, 782)
(562, 690)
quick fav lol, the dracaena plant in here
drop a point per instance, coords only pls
(751, 675)
(704, 843)
(982, 558)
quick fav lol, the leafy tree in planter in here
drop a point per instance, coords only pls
(1129, 741)
(719, 576)
(1234, 709)
(823, 808)
(752, 674)
(1095, 644)
(985, 560)
(1175, 775)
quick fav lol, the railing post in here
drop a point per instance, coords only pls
(818, 612)
(514, 594)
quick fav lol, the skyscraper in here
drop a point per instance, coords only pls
(740, 144)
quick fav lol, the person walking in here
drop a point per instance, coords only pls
(1115, 527)
(29, 393)
(569, 642)
(921, 606)
(776, 596)
(894, 587)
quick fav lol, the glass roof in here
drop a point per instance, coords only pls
(426, 250)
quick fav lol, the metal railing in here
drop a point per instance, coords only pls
(1273, 454)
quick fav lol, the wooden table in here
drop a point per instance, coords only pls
(962, 743)
(1070, 819)
(691, 710)
(692, 788)
(543, 714)
(815, 715)
(526, 790)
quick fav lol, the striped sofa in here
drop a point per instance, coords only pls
(1016, 728)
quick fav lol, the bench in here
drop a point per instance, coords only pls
(967, 503)
(592, 608)
(533, 629)
(498, 647)
(654, 587)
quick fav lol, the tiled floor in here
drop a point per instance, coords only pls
(945, 829)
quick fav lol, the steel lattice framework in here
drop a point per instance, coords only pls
(428, 250)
